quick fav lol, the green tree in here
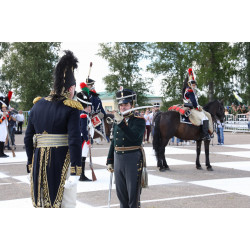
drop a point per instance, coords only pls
(123, 60)
(28, 68)
(215, 68)
(243, 72)
(171, 60)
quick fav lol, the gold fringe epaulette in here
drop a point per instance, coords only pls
(37, 99)
(73, 104)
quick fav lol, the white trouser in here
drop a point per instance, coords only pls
(69, 194)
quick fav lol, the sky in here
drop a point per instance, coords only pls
(86, 53)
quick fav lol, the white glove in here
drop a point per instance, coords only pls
(110, 168)
(118, 118)
(72, 181)
(199, 108)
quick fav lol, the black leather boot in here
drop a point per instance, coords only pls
(83, 177)
(2, 154)
(204, 131)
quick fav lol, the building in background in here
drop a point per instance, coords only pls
(108, 101)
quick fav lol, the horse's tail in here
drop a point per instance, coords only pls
(157, 133)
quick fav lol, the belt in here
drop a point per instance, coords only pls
(50, 140)
(133, 148)
(127, 148)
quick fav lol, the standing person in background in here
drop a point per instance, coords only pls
(148, 119)
(248, 117)
(220, 132)
(20, 119)
(54, 122)
(84, 122)
(3, 128)
(12, 128)
(156, 110)
(97, 108)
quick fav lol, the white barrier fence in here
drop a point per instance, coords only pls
(236, 123)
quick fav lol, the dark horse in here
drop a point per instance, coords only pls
(107, 127)
(167, 125)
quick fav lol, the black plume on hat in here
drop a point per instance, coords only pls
(64, 72)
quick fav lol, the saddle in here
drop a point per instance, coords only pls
(191, 116)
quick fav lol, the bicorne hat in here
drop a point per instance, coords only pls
(64, 72)
(5, 100)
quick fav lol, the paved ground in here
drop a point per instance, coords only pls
(228, 186)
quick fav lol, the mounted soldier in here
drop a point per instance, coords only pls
(190, 100)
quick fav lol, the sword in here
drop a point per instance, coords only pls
(110, 188)
(130, 110)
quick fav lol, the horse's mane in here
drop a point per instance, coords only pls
(206, 107)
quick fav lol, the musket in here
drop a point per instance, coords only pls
(90, 160)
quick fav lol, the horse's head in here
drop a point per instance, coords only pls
(220, 111)
(216, 109)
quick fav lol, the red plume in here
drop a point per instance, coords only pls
(10, 95)
(83, 85)
(190, 72)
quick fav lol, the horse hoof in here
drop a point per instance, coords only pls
(199, 167)
(166, 167)
(210, 169)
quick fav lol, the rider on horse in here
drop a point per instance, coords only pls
(190, 96)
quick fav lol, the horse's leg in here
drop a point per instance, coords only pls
(165, 165)
(162, 163)
(206, 145)
(198, 152)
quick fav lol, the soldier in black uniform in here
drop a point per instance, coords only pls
(97, 108)
(84, 122)
(125, 156)
(55, 123)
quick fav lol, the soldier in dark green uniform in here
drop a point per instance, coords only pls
(125, 156)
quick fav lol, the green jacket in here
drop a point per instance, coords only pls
(127, 134)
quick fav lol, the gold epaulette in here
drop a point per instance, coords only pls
(37, 99)
(73, 104)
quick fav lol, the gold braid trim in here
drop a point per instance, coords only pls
(73, 104)
(59, 196)
(37, 99)
(32, 184)
(45, 185)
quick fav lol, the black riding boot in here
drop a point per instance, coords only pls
(83, 177)
(2, 154)
(204, 131)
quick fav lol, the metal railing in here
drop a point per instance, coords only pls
(236, 123)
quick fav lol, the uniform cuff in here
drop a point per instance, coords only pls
(29, 167)
(75, 170)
